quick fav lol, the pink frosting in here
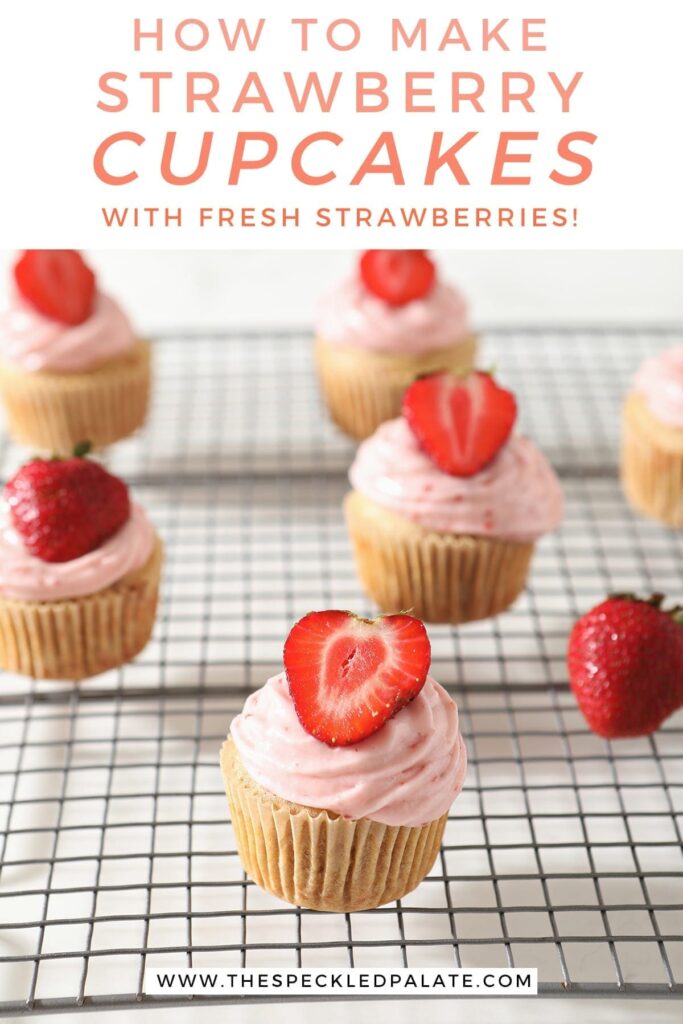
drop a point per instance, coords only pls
(33, 342)
(660, 381)
(517, 497)
(407, 773)
(26, 578)
(350, 315)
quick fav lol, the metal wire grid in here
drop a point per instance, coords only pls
(211, 418)
(563, 852)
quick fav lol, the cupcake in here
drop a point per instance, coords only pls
(448, 503)
(341, 770)
(652, 439)
(79, 571)
(392, 321)
(70, 364)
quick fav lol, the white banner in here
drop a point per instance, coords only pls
(268, 123)
(344, 981)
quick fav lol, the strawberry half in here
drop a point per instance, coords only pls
(58, 283)
(64, 508)
(398, 276)
(461, 422)
(347, 676)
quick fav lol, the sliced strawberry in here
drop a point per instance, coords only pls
(348, 676)
(461, 422)
(58, 283)
(398, 276)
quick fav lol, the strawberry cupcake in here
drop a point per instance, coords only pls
(70, 364)
(340, 771)
(448, 503)
(79, 571)
(652, 439)
(390, 322)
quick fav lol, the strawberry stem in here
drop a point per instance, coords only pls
(656, 600)
(82, 449)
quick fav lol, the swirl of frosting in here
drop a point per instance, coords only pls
(407, 773)
(516, 497)
(660, 381)
(34, 342)
(24, 577)
(350, 315)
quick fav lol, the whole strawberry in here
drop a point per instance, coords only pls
(625, 661)
(65, 508)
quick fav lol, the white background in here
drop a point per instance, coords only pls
(52, 54)
(213, 290)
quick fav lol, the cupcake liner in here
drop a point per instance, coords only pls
(651, 463)
(52, 412)
(316, 859)
(82, 636)
(363, 389)
(439, 577)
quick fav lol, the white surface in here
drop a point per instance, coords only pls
(528, 1011)
(170, 290)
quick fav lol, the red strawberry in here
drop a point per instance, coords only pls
(64, 508)
(397, 276)
(348, 676)
(625, 662)
(461, 422)
(58, 283)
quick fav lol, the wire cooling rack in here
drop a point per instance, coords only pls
(563, 852)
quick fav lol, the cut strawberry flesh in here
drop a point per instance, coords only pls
(58, 283)
(397, 276)
(347, 676)
(349, 662)
(462, 423)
